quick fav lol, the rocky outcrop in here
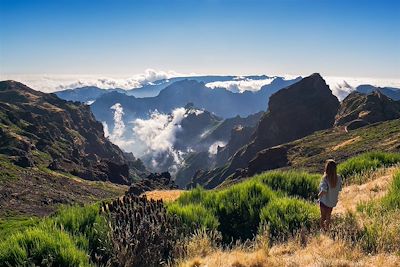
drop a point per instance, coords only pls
(154, 181)
(293, 112)
(41, 129)
(269, 159)
(358, 110)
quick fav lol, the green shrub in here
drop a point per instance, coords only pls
(301, 184)
(367, 162)
(41, 247)
(286, 215)
(194, 215)
(234, 210)
(82, 230)
(238, 209)
(197, 195)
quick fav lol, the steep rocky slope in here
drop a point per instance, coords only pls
(311, 152)
(294, 112)
(38, 129)
(359, 109)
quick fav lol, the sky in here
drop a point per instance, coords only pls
(351, 38)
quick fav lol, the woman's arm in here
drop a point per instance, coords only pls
(321, 193)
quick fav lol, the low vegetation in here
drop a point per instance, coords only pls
(267, 220)
(370, 161)
(235, 211)
(59, 240)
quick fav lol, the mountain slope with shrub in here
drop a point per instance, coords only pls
(310, 152)
(47, 147)
(272, 213)
(41, 129)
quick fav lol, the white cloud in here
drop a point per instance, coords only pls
(52, 83)
(342, 86)
(214, 147)
(117, 135)
(158, 132)
(241, 84)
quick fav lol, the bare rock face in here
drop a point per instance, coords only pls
(269, 159)
(358, 110)
(293, 112)
(40, 129)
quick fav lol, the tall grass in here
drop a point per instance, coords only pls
(42, 247)
(67, 238)
(236, 210)
(392, 199)
(366, 162)
(286, 215)
(381, 227)
(292, 183)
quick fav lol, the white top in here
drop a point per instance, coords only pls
(330, 199)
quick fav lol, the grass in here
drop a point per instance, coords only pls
(367, 162)
(235, 211)
(16, 224)
(283, 215)
(392, 200)
(9, 171)
(292, 183)
(67, 238)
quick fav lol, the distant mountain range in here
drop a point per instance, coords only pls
(91, 93)
(391, 92)
(219, 101)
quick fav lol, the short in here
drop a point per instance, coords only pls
(325, 209)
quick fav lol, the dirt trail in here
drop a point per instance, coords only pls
(352, 195)
(165, 195)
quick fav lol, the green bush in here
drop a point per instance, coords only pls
(238, 209)
(62, 238)
(197, 195)
(41, 247)
(286, 215)
(301, 184)
(234, 210)
(367, 162)
(194, 215)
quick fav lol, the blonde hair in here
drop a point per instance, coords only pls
(331, 173)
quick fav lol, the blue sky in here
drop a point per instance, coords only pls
(343, 37)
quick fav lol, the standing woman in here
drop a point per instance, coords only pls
(329, 188)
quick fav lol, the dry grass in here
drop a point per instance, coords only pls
(376, 187)
(320, 251)
(346, 143)
(165, 195)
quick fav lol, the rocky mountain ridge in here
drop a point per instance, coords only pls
(39, 129)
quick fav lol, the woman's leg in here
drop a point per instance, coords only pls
(328, 218)
(323, 216)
